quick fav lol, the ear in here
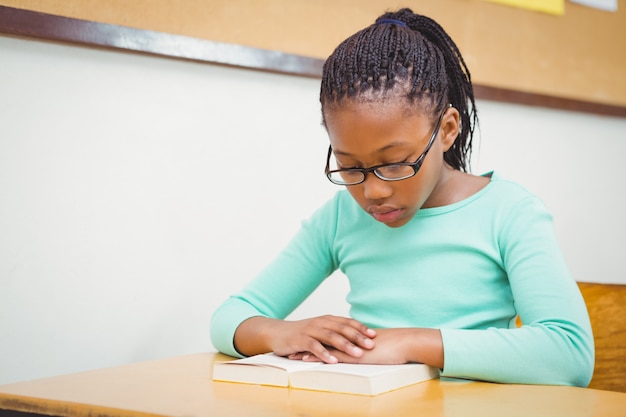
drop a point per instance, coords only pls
(450, 128)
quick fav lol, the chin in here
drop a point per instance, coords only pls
(398, 223)
(395, 225)
(401, 221)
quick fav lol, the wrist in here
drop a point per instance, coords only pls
(253, 336)
(424, 346)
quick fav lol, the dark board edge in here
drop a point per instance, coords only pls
(12, 413)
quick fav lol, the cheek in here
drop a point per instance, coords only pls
(414, 191)
(357, 192)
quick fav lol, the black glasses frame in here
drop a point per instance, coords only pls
(415, 165)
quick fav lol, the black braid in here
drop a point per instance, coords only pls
(420, 57)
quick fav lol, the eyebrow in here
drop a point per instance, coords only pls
(383, 149)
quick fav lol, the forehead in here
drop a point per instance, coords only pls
(363, 128)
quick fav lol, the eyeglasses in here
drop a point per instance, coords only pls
(387, 172)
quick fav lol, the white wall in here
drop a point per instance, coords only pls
(136, 193)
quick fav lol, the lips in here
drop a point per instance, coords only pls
(385, 214)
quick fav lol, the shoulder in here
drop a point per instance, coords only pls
(517, 211)
(461, 187)
(500, 201)
(484, 195)
(506, 187)
(510, 195)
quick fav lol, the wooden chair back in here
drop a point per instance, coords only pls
(606, 304)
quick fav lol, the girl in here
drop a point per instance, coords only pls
(440, 262)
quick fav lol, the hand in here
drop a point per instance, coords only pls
(314, 337)
(391, 349)
(397, 346)
(319, 336)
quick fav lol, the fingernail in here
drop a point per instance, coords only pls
(332, 359)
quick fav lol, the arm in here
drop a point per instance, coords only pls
(253, 322)
(555, 344)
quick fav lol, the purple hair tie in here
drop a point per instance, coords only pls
(391, 21)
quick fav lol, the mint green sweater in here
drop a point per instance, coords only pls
(468, 269)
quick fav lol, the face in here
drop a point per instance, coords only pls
(363, 135)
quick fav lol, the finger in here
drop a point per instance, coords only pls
(352, 323)
(304, 356)
(296, 356)
(345, 358)
(320, 350)
(325, 357)
(307, 357)
(363, 329)
(359, 333)
(347, 335)
(328, 339)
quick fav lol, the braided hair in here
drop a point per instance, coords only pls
(409, 55)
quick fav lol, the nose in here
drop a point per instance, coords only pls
(376, 189)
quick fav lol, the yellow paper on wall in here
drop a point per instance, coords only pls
(547, 6)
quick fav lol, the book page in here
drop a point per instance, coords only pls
(273, 360)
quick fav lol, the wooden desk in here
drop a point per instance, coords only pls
(183, 387)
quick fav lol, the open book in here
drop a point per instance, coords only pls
(270, 369)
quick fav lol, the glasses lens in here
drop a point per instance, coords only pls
(395, 172)
(346, 177)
